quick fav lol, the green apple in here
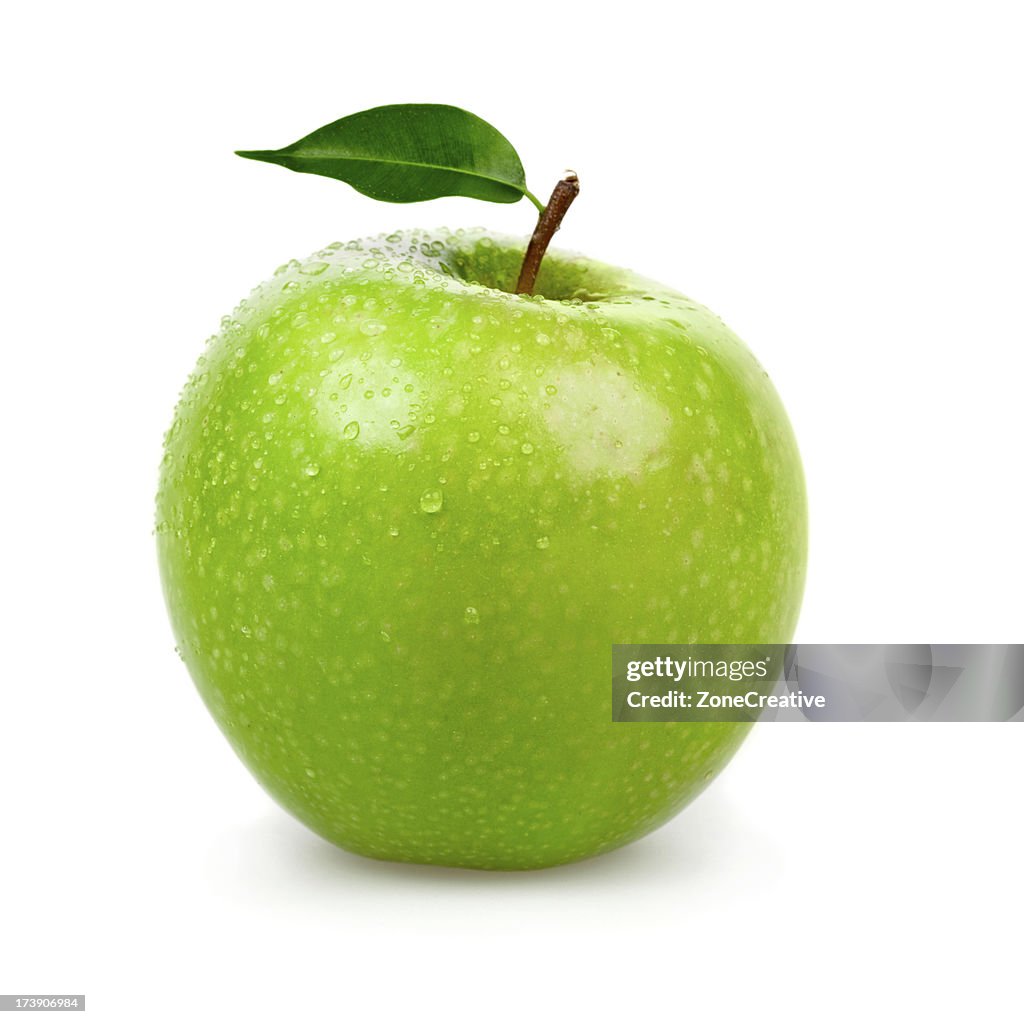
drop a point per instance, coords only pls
(404, 514)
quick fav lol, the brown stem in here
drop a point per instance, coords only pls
(547, 224)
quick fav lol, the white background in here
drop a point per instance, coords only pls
(841, 182)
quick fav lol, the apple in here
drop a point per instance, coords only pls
(404, 513)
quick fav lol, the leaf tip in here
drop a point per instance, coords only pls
(269, 156)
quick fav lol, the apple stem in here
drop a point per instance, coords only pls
(547, 224)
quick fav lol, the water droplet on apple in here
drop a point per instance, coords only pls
(311, 773)
(471, 616)
(345, 381)
(274, 379)
(474, 436)
(371, 328)
(543, 543)
(314, 268)
(526, 448)
(431, 500)
(404, 433)
(351, 431)
(312, 469)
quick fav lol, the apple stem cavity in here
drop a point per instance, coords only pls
(547, 224)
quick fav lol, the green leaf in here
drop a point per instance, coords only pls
(409, 152)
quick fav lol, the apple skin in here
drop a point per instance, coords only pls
(403, 515)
